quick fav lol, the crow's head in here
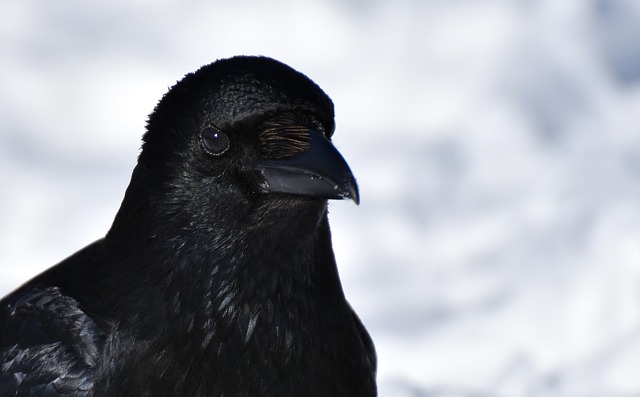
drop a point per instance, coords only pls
(244, 130)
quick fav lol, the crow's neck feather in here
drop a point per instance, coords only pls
(271, 267)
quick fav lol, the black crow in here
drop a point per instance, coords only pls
(217, 277)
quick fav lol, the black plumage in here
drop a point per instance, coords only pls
(217, 277)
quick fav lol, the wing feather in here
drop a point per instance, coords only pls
(49, 346)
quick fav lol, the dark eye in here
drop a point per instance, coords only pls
(214, 141)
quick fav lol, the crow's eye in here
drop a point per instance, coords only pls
(214, 141)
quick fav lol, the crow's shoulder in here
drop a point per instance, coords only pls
(48, 345)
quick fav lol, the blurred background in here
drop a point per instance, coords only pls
(496, 251)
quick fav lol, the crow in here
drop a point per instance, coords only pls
(217, 276)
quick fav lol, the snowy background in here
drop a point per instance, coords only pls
(496, 251)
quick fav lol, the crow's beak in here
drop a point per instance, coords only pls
(320, 171)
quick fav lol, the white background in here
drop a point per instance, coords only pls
(496, 251)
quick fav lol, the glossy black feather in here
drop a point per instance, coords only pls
(204, 285)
